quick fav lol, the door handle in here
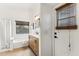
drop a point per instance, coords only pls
(55, 33)
(55, 37)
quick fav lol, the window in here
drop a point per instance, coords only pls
(66, 16)
(22, 27)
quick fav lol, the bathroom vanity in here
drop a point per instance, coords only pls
(34, 35)
(34, 44)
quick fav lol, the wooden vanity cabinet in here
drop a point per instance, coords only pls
(34, 44)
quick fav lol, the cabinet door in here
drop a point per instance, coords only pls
(31, 43)
(34, 44)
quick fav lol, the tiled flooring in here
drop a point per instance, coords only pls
(18, 52)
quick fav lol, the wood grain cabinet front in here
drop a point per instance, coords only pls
(34, 44)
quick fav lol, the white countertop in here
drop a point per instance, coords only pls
(33, 33)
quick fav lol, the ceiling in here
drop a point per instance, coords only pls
(20, 6)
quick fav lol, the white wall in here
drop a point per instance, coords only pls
(46, 30)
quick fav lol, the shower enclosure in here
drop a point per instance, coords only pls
(5, 34)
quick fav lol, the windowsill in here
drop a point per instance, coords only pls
(66, 27)
(16, 41)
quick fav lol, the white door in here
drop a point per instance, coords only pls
(62, 43)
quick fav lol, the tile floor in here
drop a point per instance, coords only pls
(25, 51)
